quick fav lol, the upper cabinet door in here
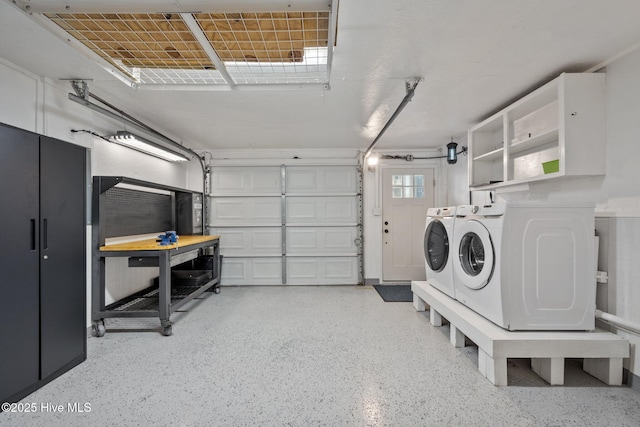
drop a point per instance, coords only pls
(62, 257)
(19, 324)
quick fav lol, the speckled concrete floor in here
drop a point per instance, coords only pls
(307, 356)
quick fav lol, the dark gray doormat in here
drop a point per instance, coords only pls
(395, 293)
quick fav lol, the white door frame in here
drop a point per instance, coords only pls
(373, 228)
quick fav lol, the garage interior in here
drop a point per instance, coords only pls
(306, 140)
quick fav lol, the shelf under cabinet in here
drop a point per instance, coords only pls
(514, 182)
(491, 155)
(535, 141)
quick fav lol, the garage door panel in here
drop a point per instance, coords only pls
(325, 240)
(252, 240)
(251, 271)
(340, 209)
(250, 180)
(302, 269)
(321, 179)
(245, 210)
(322, 210)
(316, 220)
(302, 209)
(322, 270)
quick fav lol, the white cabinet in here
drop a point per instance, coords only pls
(562, 122)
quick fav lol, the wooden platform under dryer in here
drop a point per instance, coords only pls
(602, 351)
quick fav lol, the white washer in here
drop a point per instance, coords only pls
(527, 266)
(438, 239)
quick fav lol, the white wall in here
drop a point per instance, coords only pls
(41, 105)
(617, 194)
(20, 96)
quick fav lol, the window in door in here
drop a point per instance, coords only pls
(407, 186)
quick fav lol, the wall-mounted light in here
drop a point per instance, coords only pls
(372, 161)
(145, 146)
(452, 156)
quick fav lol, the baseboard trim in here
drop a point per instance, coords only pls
(630, 379)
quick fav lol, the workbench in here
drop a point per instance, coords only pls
(156, 301)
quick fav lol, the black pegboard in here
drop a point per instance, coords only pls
(129, 212)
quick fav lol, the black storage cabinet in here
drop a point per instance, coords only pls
(42, 260)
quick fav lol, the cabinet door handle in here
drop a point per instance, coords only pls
(45, 231)
(33, 234)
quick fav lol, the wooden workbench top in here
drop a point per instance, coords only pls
(154, 245)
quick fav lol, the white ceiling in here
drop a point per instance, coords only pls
(475, 57)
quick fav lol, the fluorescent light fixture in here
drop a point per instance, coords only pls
(140, 144)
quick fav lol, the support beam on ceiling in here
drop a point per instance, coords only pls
(171, 6)
(206, 46)
(410, 86)
(331, 42)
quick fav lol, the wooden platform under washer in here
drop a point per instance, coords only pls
(602, 351)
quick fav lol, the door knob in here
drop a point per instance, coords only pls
(386, 223)
(386, 231)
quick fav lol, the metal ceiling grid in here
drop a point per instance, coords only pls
(270, 48)
(160, 76)
(264, 37)
(137, 40)
(166, 49)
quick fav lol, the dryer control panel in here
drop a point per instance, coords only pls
(494, 209)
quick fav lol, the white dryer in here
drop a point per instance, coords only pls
(438, 239)
(527, 266)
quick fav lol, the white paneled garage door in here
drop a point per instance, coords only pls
(297, 225)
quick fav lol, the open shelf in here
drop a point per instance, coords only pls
(539, 140)
(148, 299)
(563, 120)
(491, 155)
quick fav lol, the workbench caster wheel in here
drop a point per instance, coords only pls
(166, 327)
(98, 330)
(216, 290)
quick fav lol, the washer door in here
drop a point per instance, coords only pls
(475, 255)
(436, 245)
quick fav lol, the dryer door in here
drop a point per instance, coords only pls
(476, 255)
(436, 245)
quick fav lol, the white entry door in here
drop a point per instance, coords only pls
(406, 196)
